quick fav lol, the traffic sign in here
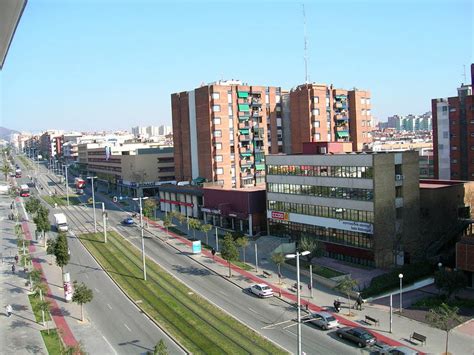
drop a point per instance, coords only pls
(115, 199)
(90, 200)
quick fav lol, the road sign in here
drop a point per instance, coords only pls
(115, 199)
(90, 200)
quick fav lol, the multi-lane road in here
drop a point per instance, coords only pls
(129, 331)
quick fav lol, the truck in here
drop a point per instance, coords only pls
(18, 173)
(61, 222)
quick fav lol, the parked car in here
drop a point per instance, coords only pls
(127, 221)
(359, 336)
(396, 350)
(323, 320)
(261, 290)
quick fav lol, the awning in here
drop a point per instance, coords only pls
(244, 107)
(244, 118)
(245, 154)
(244, 131)
(260, 166)
(342, 134)
(242, 94)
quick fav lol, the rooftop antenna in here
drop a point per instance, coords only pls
(464, 73)
(305, 48)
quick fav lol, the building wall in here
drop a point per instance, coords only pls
(181, 136)
(360, 118)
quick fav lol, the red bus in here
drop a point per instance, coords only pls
(79, 183)
(24, 191)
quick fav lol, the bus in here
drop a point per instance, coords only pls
(24, 190)
(79, 183)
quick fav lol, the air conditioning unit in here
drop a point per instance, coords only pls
(399, 177)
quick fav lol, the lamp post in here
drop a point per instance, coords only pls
(104, 221)
(298, 296)
(400, 276)
(67, 185)
(93, 200)
(143, 239)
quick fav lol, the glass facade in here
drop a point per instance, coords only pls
(322, 211)
(322, 191)
(361, 172)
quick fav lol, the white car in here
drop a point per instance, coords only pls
(261, 290)
(323, 320)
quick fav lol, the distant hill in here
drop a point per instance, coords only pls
(5, 133)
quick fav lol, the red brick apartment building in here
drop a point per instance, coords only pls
(322, 113)
(223, 130)
(453, 134)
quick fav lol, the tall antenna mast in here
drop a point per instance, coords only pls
(305, 48)
(464, 74)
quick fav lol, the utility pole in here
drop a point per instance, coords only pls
(93, 201)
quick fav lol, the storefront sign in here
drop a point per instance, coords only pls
(280, 215)
(196, 247)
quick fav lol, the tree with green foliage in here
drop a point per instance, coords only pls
(6, 170)
(160, 348)
(44, 306)
(314, 246)
(149, 206)
(40, 288)
(450, 282)
(35, 277)
(42, 222)
(32, 205)
(82, 295)
(206, 228)
(445, 318)
(167, 222)
(61, 251)
(229, 251)
(242, 242)
(181, 217)
(194, 224)
(347, 285)
(278, 259)
(51, 245)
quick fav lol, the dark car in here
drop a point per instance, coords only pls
(128, 221)
(359, 336)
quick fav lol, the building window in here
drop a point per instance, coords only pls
(315, 112)
(218, 146)
(216, 95)
(217, 120)
(317, 136)
(367, 101)
(230, 110)
(216, 108)
(316, 124)
(316, 100)
(267, 99)
(362, 100)
(444, 108)
(218, 158)
(278, 109)
(368, 112)
(217, 133)
(220, 171)
(277, 99)
(363, 111)
(229, 98)
(454, 161)
(454, 147)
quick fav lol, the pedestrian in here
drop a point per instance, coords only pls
(9, 310)
(213, 252)
(359, 302)
(16, 259)
(13, 268)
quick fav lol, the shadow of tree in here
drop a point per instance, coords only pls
(34, 349)
(191, 270)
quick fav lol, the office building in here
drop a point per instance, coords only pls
(319, 112)
(363, 207)
(453, 135)
(223, 130)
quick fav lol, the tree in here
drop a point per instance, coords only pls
(82, 294)
(194, 224)
(160, 348)
(6, 169)
(51, 245)
(44, 306)
(314, 246)
(450, 281)
(42, 221)
(61, 251)
(32, 205)
(278, 259)
(229, 251)
(206, 229)
(181, 217)
(347, 285)
(149, 208)
(35, 277)
(445, 318)
(40, 288)
(167, 222)
(242, 242)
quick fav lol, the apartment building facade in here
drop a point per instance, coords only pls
(223, 130)
(363, 207)
(319, 112)
(453, 135)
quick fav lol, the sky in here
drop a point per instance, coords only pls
(91, 65)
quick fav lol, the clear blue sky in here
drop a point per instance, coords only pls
(87, 65)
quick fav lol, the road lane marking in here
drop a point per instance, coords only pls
(108, 305)
(86, 275)
(252, 310)
(96, 290)
(126, 326)
(109, 345)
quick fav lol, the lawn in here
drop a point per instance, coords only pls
(197, 324)
(317, 269)
(433, 302)
(34, 300)
(24, 161)
(62, 200)
(52, 341)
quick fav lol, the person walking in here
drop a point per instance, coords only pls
(359, 302)
(13, 268)
(16, 259)
(9, 310)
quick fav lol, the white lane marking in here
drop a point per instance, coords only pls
(251, 310)
(86, 275)
(126, 326)
(223, 293)
(109, 344)
(96, 290)
(108, 305)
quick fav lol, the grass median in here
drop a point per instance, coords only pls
(197, 324)
(35, 300)
(62, 200)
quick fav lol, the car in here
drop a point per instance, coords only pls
(396, 350)
(261, 290)
(360, 336)
(323, 320)
(127, 221)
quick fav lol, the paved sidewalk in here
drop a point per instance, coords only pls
(20, 334)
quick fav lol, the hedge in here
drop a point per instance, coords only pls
(390, 281)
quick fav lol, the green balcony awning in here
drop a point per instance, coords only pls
(244, 118)
(260, 166)
(244, 131)
(244, 107)
(242, 94)
(342, 134)
(245, 154)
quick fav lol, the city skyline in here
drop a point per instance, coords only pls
(119, 67)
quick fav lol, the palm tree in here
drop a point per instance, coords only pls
(40, 288)
(35, 277)
(194, 224)
(206, 228)
(278, 259)
(444, 317)
(6, 170)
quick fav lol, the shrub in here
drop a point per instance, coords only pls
(390, 281)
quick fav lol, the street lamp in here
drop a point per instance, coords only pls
(298, 297)
(400, 276)
(67, 185)
(141, 228)
(93, 200)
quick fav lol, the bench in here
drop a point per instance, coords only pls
(419, 337)
(373, 320)
(266, 274)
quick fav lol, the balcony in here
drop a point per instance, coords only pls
(243, 138)
(256, 103)
(256, 113)
(244, 125)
